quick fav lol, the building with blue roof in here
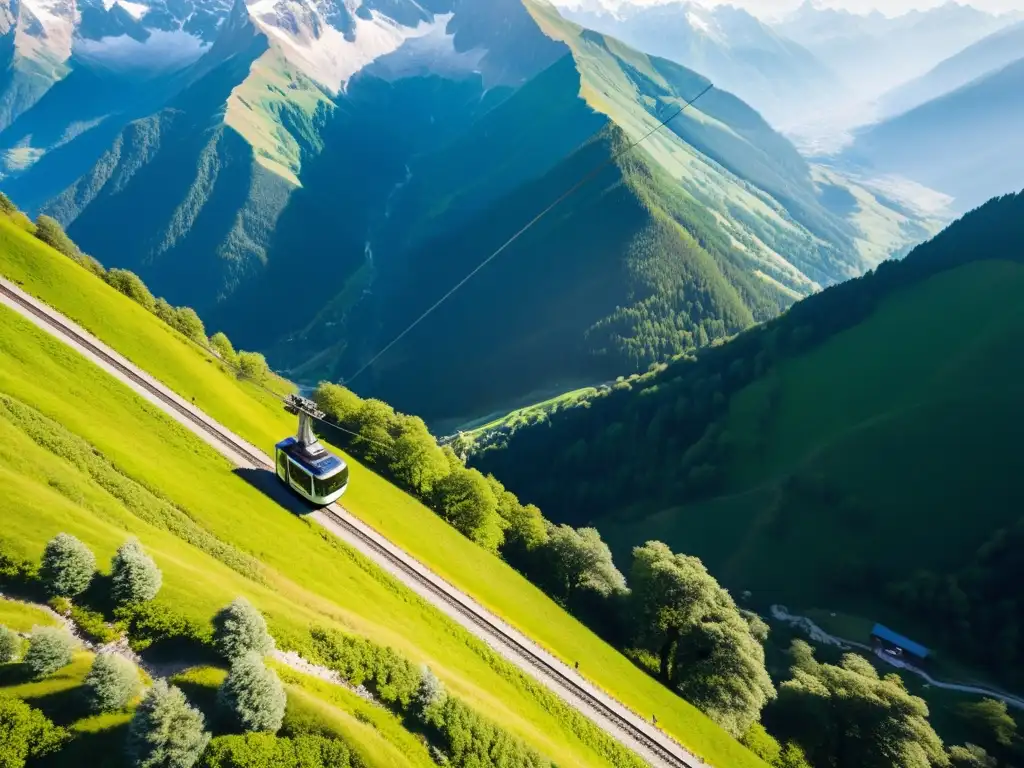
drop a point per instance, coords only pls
(896, 644)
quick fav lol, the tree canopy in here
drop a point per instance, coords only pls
(708, 649)
(166, 731)
(68, 566)
(847, 716)
(135, 576)
(239, 629)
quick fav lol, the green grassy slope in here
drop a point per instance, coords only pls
(299, 553)
(829, 455)
(910, 416)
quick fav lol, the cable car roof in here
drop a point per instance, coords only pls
(320, 465)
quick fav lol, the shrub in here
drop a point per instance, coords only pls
(112, 683)
(7, 206)
(52, 233)
(131, 285)
(240, 629)
(166, 732)
(252, 695)
(188, 324)
(26, 733)
(10, 646)
(253, 365)
(429, 695)
(392, 678)
(263, 750)
(92, 625)
(136, 578)
(49, 649)
(68, 566)
(222, 345)
(149, 623)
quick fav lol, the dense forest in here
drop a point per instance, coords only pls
(664, 439)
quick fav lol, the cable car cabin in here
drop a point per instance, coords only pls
(305, 465)
(320, 478)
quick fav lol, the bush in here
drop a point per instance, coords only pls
(91, 625)
(253, 696)
(10, 646)
(188, 324)
(253, 366)
(240, 629)
(112, 683)
(263, 750)
(49, 649)
(166, 732)
(136, 578)
(52, 233)
(7, 206)
(393, 679)
(149, 623)
(429, 695)
(26, 733)
(68, 566)
(222, 345)
(131, 285)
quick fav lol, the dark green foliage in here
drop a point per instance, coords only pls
(658, 438)
(112, 683)
(10, 646)
(25, 733)
(165, 732)
(264, 750)
(148, 624)
(708, 649)
(252, 696)
(990, 721)
(846, 716)
(90, 624)
(239, 629)
(467, 739)
(49, 649)
(465, 500)
(68, 566)
(389, 676)
(135, 577)
(761, 743)
(131, 285)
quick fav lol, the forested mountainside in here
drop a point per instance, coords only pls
(857, 452)
(968, 143)
(351, 165)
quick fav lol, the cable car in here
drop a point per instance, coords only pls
(304, 464)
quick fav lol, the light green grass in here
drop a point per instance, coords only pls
(307, 577)
(912, 416)
(22, 618)
(333, 582)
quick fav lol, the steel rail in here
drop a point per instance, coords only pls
(403, 562)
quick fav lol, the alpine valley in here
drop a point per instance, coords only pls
(312, 175)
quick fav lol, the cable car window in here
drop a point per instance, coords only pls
(331, 484)
(300, 477)
(282, 465)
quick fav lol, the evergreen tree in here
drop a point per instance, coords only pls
(68, 566)
(112, 683)
(49, 649)
(240, 629)
(10, 646)
(165, 732)
(252, 695)
(136, 578)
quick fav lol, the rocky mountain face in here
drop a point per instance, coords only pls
(310, 175)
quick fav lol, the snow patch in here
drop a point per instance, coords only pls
(431, 53)
(161, 51)
(135, 10)
(697, 22)
(323, 53)
(58, 19)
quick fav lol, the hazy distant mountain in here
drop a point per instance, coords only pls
(982, 58)
(968, 143)
(874, 53)
(779, 78)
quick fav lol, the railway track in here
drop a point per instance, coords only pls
(659, 749)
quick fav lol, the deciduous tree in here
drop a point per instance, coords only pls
(579, 559)
(26, 733)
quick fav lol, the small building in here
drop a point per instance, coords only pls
(898, 646)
